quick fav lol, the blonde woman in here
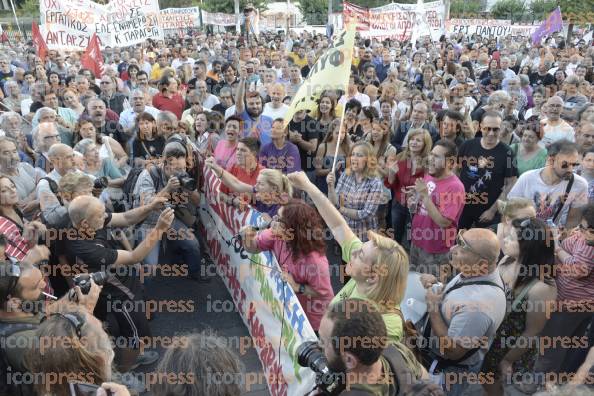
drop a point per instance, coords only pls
(359, 191)
(510, 210)
(272, 189)
(378, 268)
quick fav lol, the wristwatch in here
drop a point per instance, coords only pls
(301, 289)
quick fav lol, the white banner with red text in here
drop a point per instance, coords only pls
(397, 20)
(267, 304)
(69, 24)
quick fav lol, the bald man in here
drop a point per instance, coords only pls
(61, 157)
(554, 128)
(464, 316)
(94, 249)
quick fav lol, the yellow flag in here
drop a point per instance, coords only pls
(330, 72)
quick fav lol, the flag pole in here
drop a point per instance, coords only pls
(16, 19)
(339, 130)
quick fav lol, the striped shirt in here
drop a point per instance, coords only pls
(16, 246)
(365, 197)
(575, 275)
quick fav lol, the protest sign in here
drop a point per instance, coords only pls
(488, 27)
(218, 18)
(331, 71)
(69, 24)
(179, 18)
(267, 304)
(396, 20)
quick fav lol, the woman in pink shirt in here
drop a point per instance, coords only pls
(225, 152)
(296, 237)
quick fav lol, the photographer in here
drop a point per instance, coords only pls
(170, 180)
(22, 309)
(355, 344)
(92, 245)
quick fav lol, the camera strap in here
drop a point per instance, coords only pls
(563, 198)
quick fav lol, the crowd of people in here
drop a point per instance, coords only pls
(469, 160)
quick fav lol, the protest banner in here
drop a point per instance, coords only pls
(396, 20)
(69, 24)
(179, 18)
(331, 71)
(218, 18)
(267, 304)
(488, 28)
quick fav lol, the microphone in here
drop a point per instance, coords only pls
(258, 227)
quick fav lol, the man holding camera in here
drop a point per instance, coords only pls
(170, 180)
(92, 246)
(23, 308)
(356, 348)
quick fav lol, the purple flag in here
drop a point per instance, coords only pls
(554, 23)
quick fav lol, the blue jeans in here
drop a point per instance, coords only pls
(400, 219)
(182, 248)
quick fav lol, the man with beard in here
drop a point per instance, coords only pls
(128, 116)
(97, 111)
(254, 123)
(22, 309)
(554, 128)
(353, 338)
(558, 194)
(437, 201)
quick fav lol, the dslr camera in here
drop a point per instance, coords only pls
(84, 280)
(329, 383)
(185, 181)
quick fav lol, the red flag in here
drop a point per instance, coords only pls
(92, 58)
(39, 42)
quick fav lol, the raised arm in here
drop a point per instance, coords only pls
(332, 217)
(239, 96)
(227, 178)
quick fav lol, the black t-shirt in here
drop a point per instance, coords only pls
(99, 254)
(536, 79)
(308, 128)
(150, 148)
(483, 172)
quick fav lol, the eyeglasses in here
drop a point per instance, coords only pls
(51, 137)
(75, 320)
(460, 241)
(566, 164)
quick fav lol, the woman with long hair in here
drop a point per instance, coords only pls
(84, 352)
(108, 146)
(326, 112)
(493, 65)
(510, 210)
(71, 101)
(526, 269)
(359, 190)
(296, 238)
(206, 138)
(378, 268)
(147, 145)
(132, 83)
(325, 155)
(403, 172)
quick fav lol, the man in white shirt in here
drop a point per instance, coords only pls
(276, 108)
(546, 187)
(208, 100)
(128, 116)
(507, 72)
(353, 93)
(183, 59)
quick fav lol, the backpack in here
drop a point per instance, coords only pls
(6, 330)
(129, 184)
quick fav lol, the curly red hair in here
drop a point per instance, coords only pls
(306, 226)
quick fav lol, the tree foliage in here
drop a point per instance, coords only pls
(315, 12)
(27, 8)
(466, 8)
(509, 9)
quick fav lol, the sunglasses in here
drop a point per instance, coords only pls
(460, 241)
(492, 129)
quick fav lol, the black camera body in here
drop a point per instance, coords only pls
(329, 383)
(185, 181)
(100, 183)
(84, 280)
